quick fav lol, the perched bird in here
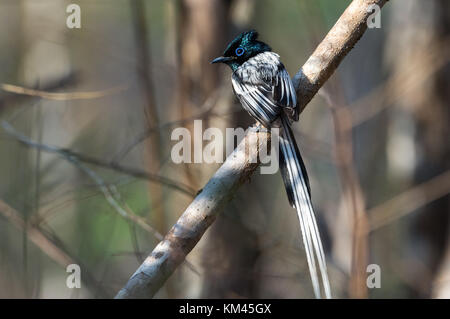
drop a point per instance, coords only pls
(265, 90)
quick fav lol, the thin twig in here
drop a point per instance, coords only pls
(185, 189)
(410, 200)
(61, 96)
(69, 79)
(401, 83)
(205, 110)
(49, 246)
(110, 193)
(353, 195)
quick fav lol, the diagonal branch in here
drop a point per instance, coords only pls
(50, 247)
(61, 96)
(79, 157)
(409, 201)
(239, 166)
(331, 51)
(110, 192)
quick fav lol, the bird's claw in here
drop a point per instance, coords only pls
(258, 128)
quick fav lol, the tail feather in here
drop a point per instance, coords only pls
(298, 190)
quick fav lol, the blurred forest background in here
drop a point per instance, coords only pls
(86, 175)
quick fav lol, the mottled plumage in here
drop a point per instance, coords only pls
(265, 90)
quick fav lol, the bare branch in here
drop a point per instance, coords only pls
(110, 193)
(409, 201)
(238, 167)
(67, 153)
(205, 109)
(61, 96)
(49, 246)
(200, 214)
(352, 194)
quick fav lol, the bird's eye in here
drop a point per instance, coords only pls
(239, 51)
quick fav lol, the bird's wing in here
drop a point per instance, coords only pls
(263, 90)
(284, 93)
(257, 99)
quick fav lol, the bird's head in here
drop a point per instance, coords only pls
(242, 48)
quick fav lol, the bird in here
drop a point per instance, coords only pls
(265, 90)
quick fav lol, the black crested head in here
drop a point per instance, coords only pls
(242, 48)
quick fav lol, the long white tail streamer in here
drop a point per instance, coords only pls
(296, 183)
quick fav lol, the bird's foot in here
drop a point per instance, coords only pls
(258, 128)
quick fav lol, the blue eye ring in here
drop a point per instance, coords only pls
(239, 51)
